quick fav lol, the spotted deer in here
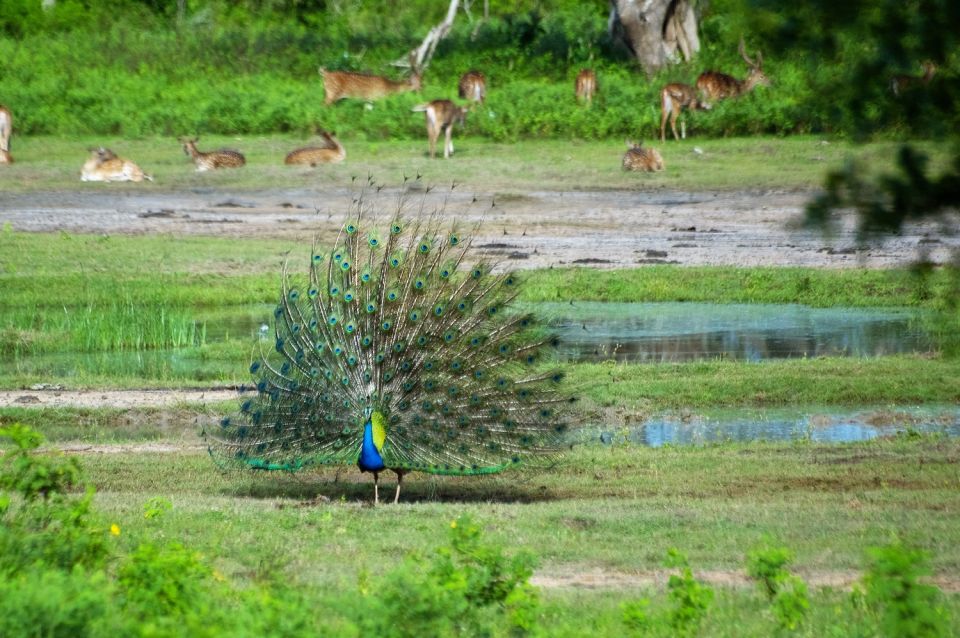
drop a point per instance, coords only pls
(6, 128)
(720, 86)
(213, 160)
(441, 115)
(673, 99)
(339, 85)
(642, 159)
(472, 87)
(104, 166)
(585, 85)
(900, 83)
(331, 152)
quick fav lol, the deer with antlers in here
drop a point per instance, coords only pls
(339, 85)
(719, 86)
(472, 87)
(213, 160)
(638, 158)
(441, 115)
(673, 99)
(585, 85)
(331, 152)
(6, 128)
(900, 83)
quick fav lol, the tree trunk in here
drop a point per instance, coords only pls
(657, 32)
(419, 58)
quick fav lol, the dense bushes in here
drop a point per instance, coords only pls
(140, 69)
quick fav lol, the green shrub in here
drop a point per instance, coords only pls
(906, 607)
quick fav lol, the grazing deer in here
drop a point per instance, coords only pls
(441, 116)
(673, 99)
(719, 86)
(105, 166)
(331, 152)
(6, 127)
(224, 158)
(339, 85)
(585, 85)
(900, 83)
(642, 159)
(473, 87)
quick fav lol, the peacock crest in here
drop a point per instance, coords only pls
(398, 351)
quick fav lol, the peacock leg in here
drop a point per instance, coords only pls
(376, 489)
(396, 497)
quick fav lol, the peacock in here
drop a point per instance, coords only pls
(399, 352)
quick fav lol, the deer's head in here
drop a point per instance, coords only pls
(756, 76)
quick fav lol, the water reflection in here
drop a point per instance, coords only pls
(674, 332)
(756, 425)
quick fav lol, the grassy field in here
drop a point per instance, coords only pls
(611, 513)
(800, 162)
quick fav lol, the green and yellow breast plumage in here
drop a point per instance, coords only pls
(397, 333)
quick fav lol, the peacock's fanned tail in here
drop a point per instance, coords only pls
(399, 321)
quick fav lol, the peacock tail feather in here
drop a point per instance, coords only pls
(398, 327)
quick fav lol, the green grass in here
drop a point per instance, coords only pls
(612, 510)
(53, 163)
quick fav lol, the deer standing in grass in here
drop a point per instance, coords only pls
(105, 166)
(224, 158)
(331, 152)
(719, 86)
(585, 85)
(441, 115)
(642, 159)
(472, 87)
(900, 83)
(6, 127)
(338, 85)
(673, 99)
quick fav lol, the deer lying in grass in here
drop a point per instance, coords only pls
(900, 83)
(673, 99)
(472, 87)
(642, 159)
(585, 85)
(338, 85)
(224, 158)
(331, 152)
(441, 115)
(719, 86)
(105, 166)
(6, 128)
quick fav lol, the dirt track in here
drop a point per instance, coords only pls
(539, 229)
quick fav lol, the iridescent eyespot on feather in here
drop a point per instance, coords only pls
(312, 293)
(492, 310)
(449, 336)
(318, 258)
(351, 360)
(334, 291)
(350, 328)
(348, 296)
(395, 262)
(278, 312)
(419, 283)
(374, 242)
(351, 229)
(424, 247)
(478, 374)
(338, 256)
(387, 376)
(345, 380)
(392, 295)
(396, 229)
(319, 346)
(476, 273)
(399, 346)
(510, 280)
(454, 240)
(285, 368)
(371, 307)
(366, 342)
(444, 273)
(379, 358)
(332, 320)
(456, 365)
(345, 265)
(293, 295)
(386, 325)
(414, 315)
(365, 277)
(438, 310)
(254, 367)
(463, 306)
(279, 344)
(338, 350)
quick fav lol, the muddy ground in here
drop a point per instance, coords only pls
(604, 228)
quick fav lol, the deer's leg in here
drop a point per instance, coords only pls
(674, 114)
(448, 147)
(664, 107)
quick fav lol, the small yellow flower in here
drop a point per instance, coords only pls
(218, 576)
(453, 524)
(115, 529)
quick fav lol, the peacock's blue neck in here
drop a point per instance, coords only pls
(370, 459)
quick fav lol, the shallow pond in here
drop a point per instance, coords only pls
(796, 424)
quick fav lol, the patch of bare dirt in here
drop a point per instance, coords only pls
(606, 228)
(611, 579)
(57, 398)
